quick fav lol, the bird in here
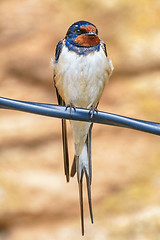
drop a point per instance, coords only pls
(81, 69)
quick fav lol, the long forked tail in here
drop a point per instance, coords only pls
(83, 166)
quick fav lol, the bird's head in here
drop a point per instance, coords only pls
(83, 34)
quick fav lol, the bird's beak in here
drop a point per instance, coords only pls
(91, 34)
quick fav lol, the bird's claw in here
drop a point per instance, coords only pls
(92, 109)
(71, 106)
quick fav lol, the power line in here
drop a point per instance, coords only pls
(52, 110)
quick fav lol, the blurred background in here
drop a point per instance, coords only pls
(35, 201)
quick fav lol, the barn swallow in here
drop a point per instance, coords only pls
(81, 70)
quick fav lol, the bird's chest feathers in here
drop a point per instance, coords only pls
(80, 79)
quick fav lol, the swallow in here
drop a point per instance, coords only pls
(81, 70)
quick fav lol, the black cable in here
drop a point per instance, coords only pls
(80, 114)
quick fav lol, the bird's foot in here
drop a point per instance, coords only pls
(71, 106)
(92, 109)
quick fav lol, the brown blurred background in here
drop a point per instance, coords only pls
(35, 201)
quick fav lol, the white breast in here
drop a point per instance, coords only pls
(80, 79)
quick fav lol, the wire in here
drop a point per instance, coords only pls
(80, 114)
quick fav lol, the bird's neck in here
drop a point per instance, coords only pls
(80, 50)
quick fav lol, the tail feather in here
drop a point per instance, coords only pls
(81, 203)
(89, 196)
(73, 168)
(83, 165)
(88, 142)
(89, 176)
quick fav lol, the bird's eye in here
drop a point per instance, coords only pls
(78, 31)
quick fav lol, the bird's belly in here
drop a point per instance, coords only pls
(80, 79)
(84, 91)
